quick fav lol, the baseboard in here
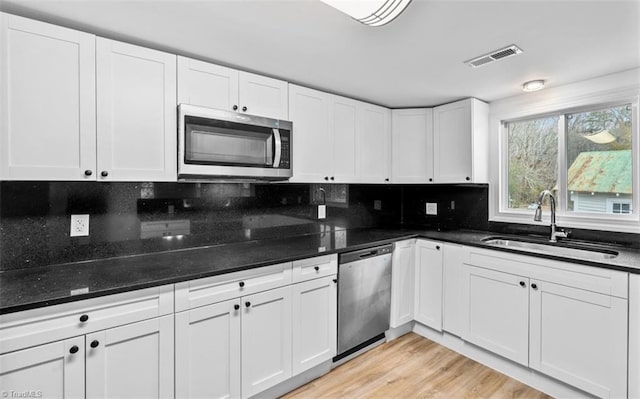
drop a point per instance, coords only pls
(394, 333)
(541, 382)
(295, 382)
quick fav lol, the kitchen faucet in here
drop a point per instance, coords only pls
(538, 216)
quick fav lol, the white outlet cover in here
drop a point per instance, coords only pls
(377, 205)
(322, 211)
(79, 226)
(432, 208)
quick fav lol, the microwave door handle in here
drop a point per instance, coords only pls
(278, 146)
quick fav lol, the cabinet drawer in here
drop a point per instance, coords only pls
(196, 293)
(52, 323)
(319, 266)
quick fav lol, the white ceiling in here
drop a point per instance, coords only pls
(416, 60)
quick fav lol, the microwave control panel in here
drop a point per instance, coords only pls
(285, 155)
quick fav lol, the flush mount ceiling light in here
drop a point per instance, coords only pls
(533, 85)
(370, 12)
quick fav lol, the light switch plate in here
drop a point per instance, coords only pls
(322, 211)
(432, 208)
(79, 226)
(377, 205)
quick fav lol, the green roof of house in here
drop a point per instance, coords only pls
(602, 172)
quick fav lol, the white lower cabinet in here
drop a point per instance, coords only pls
(579, 337)
(245, 345)
(452, 288)
(266, 340)
(133, 361)
(402, 282)
(314, 322)
(428, 284)
(208, 351)
(54, 370)
(497, 308)
(565, 320)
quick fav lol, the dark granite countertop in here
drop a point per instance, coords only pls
(24, 289)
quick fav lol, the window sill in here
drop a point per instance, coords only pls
(629, 224)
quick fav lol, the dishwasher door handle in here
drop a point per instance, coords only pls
(369, 254)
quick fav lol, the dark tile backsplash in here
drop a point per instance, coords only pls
(462, 206)
(135, 218)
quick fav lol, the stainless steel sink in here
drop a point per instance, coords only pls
(570, 250)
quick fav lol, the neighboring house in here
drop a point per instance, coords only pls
(601, 181)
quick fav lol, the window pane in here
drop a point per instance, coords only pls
(599, 161)
(533, 159)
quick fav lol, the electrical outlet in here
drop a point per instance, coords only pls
(322, 211)
(79, 226)
(377, 205)
(432, 208)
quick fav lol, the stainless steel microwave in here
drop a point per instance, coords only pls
(218, 145)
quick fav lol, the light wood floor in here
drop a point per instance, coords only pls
(413, 367)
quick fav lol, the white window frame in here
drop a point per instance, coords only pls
(579, 97)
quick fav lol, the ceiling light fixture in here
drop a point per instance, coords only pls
(533, 85)
(370, 12)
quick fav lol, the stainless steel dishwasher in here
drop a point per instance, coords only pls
(364, 298)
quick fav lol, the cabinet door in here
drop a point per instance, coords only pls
(374, 144)
(266, 340)
(452, 285)
(133, 361)
(310, 112)
(314, 322)
(263, 96)
(412, 146)
(344, 127)
(47, 101)
(136, 96)
(402, 283)
(452, 155)
(497, 312)
(428, 305)
(48, 371)
(579, 337)
(208, 351)
(207, 85)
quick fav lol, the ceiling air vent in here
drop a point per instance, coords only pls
(485, 59)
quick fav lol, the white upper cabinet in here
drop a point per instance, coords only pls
(344, 118)
(338, 139)
(214, 86)
(460, 140)
(136, 91)
(412, 145)
(47, 101)
(312, 141)
(374, 144)
(207, 85)
(260, 95)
